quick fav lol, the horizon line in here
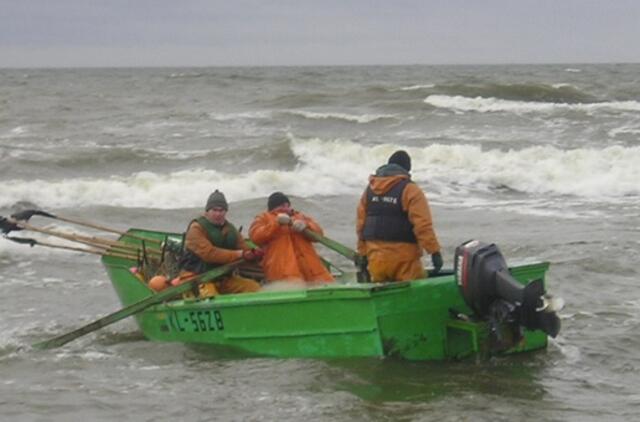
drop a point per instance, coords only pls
(62, 67)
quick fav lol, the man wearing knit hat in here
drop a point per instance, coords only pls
(212, 241)
(288, 254)
(394, 224)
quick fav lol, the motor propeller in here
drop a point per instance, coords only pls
(492, 293)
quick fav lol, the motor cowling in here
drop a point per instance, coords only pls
(492, 293)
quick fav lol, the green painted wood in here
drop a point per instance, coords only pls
(344, 319)
(332, 244)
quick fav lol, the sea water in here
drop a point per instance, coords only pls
(542, 160)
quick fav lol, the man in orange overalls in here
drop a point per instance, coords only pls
(288, 254)
(394, 224)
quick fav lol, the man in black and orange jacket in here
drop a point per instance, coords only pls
(394, 224)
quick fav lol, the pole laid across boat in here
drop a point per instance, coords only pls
(137, 307)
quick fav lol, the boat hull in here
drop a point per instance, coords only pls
(410, 320)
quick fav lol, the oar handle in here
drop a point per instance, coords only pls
(107, 229)
(136, 307)
(91, 241)
(359, 260)
(96, 250)
(332, 244)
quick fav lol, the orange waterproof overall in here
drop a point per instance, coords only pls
(398, 261)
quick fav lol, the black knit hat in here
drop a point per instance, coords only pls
(402, 159)
(276, 199)
(216, 200)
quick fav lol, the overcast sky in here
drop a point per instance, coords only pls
(69, 33)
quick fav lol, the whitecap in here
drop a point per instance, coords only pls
(357, 118)
(417, 87)
(341, 167)
(15, 132)
(459, 103)
(563, 85)
(624, 130)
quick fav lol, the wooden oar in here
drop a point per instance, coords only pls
(96, 251)
(332, 244)
(27, 214)
(135, 308)
(360, 261)
(87, 240)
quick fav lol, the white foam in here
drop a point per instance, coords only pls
(563, 85)
(283, 286)
(357, 118)
(417, 87)
(624, 130)
(186, 75)
(15, 132)
(338, 167)
(488, 105)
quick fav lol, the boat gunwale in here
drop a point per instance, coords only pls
(340, 292)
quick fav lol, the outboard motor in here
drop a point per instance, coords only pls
(492, 293)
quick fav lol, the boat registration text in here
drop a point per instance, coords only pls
(196, 321)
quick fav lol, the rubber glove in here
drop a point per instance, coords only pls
(299, 225)
(248, 255)
(283, 219)
(436, 260)
(258, 252)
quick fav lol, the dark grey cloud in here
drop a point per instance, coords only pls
(244, 32)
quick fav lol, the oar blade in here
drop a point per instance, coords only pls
(114, 317)
(133, 308)
(7, 225)
(25, 215)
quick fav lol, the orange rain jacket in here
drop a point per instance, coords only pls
(415, 203)
(289, 255)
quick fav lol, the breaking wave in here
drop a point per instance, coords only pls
(417, 87)
(99, 161)
(341, 167)
(488, 105)
(364, 118)
(527, 92)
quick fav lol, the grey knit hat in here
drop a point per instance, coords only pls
(216, 199)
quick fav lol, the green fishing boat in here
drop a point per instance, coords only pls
(479, 309)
